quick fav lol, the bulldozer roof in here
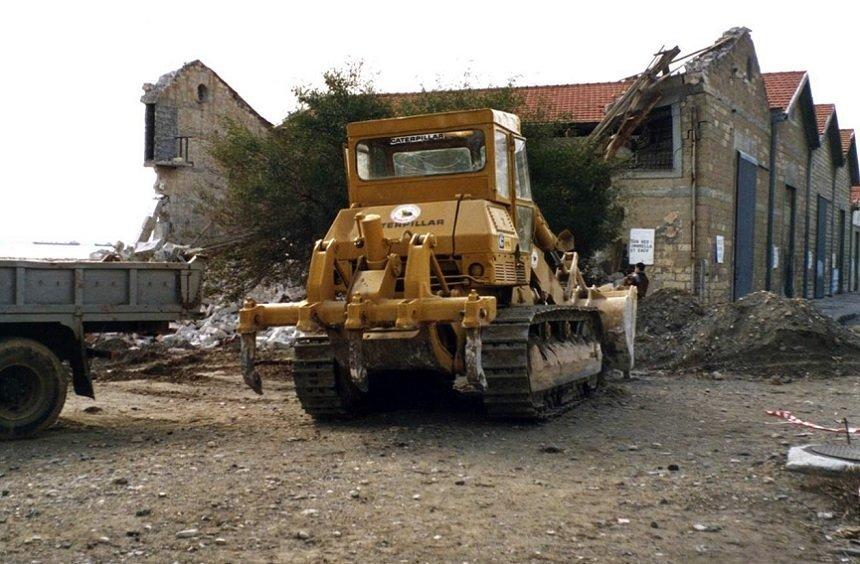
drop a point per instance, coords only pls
(426, 122)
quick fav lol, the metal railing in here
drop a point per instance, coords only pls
(182, 149)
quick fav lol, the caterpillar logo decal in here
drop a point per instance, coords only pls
(419, 223)
(417, 138)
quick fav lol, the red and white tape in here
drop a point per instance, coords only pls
(794, 420)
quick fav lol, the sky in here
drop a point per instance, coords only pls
(71, 149)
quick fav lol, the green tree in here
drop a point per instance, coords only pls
(284, 189)
(572, 184)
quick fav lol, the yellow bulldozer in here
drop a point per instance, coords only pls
(443, 263)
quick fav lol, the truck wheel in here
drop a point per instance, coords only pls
(32, 388)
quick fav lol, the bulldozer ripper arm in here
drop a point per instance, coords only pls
(471, 312)
(248, 353)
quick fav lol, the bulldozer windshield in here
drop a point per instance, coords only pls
(423, 154)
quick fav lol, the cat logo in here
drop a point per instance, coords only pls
(407, 213)
(501, 241)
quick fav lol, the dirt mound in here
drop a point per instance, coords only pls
(760, 334)
(667, 311)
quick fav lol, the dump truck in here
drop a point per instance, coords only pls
(47, 308)
(443, 263)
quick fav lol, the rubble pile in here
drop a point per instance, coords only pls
(760, 334)
(151, 251)
(661, 322)
(667, 311)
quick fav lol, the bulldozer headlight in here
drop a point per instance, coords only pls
(476, 269)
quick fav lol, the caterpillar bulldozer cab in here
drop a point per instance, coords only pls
(444, 263)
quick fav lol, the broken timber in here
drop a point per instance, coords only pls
(627, 112)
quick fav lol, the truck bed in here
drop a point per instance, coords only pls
(99, 296)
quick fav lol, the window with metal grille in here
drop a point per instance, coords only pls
(653, 143)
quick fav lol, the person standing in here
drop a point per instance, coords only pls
(639, 279)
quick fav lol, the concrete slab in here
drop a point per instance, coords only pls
(807, 459)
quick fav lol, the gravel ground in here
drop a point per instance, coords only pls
(196, 468)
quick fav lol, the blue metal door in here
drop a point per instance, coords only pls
(790, 217)
(820, 247)
(744, 244)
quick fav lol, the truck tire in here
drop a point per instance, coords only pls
(33, 386)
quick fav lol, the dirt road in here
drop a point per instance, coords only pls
(193, 467)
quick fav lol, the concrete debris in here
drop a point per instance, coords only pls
(159, 250)
(156, 250)
(215, 328)
(153, 243)
(119, 252)
(155, 226)
(218, 327)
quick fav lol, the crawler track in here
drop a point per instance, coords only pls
(316, 379)
(324, 394)
(505, 358)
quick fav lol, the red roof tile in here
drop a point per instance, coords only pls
(586, 103)
(781, 87)
(855, 195)
(822, 112)
(846, 135)
(578, 103)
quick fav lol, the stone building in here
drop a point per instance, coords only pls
(183, 110)
(744, 181)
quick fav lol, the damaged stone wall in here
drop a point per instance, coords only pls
(660, 200)
(722, 101)
(190, 105)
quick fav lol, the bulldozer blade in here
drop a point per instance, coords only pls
(618, 310)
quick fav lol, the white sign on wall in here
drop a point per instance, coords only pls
(775, 257)
(721, 249)
(641, 246)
